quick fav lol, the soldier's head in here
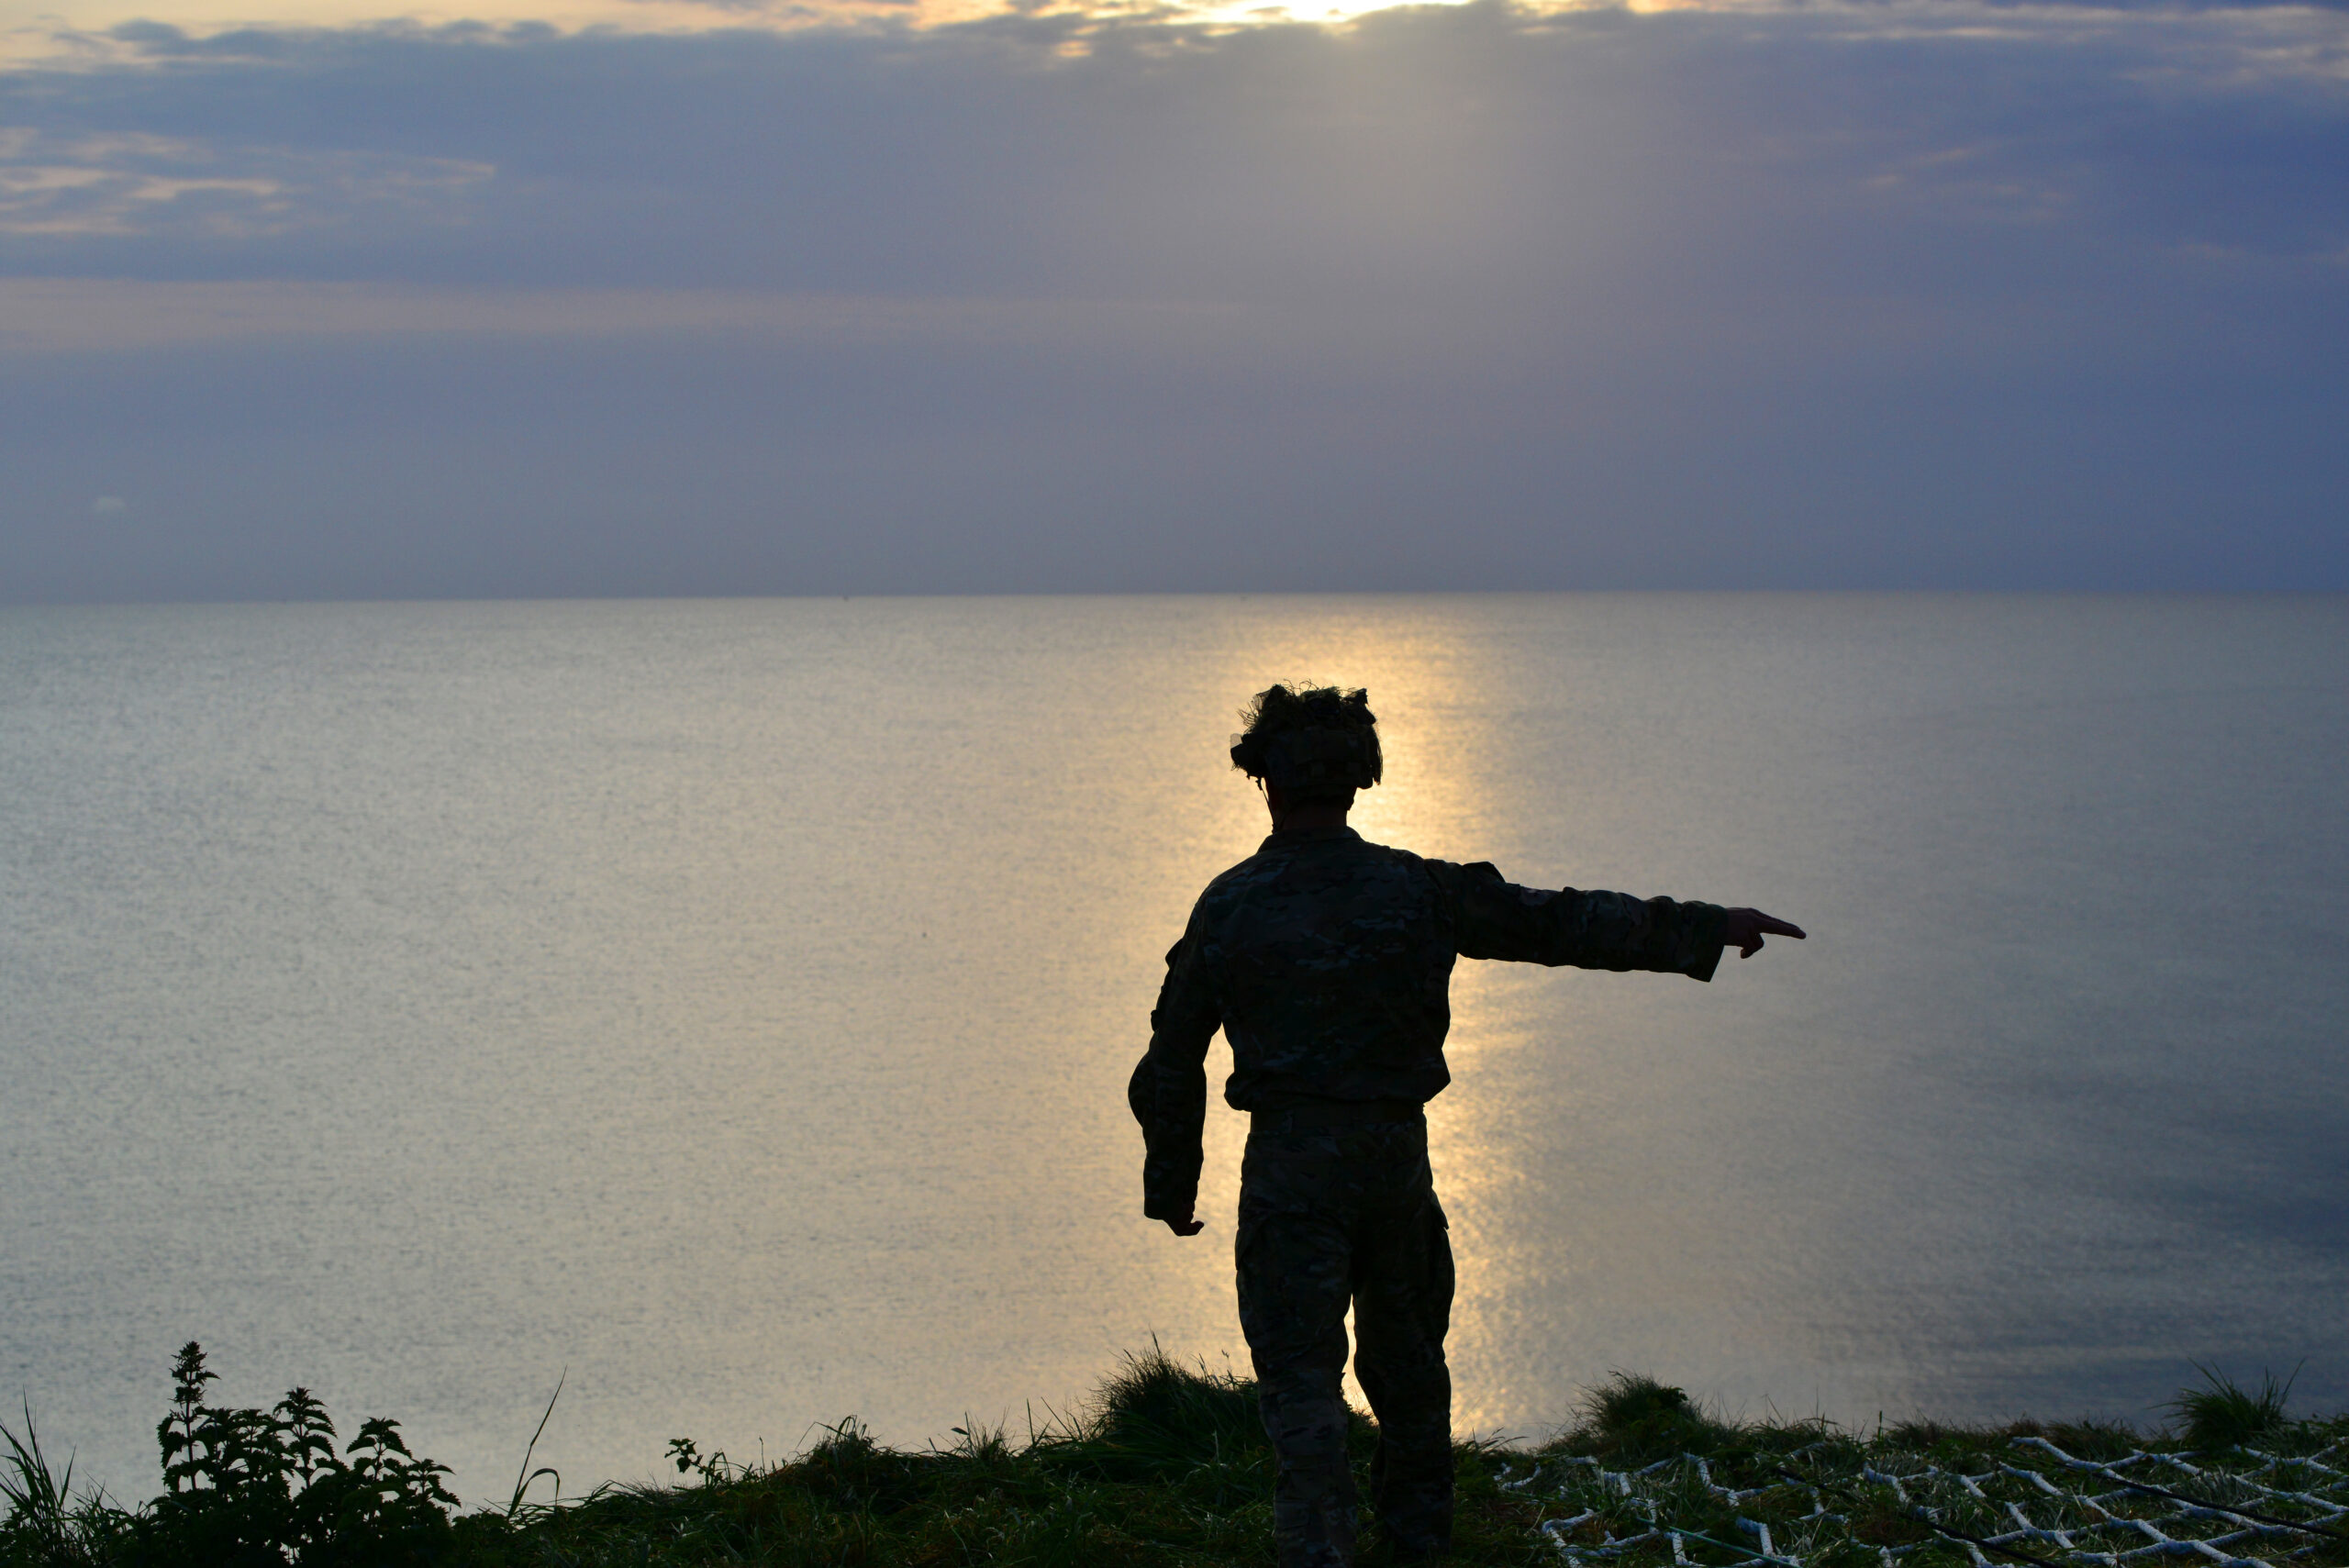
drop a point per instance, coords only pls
(1308, 745)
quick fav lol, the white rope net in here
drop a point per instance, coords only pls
(1837, 1505)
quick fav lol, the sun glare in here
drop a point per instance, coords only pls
(1307, 11)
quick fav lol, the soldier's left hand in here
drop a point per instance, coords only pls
(1747, 927)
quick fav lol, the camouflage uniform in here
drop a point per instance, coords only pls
(1327, 962)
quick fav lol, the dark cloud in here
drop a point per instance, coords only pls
(1892, 295)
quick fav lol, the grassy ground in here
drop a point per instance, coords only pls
(1169, 1468)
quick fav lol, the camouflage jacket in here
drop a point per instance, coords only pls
(1327, 962)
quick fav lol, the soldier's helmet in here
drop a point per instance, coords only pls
(1315, 742)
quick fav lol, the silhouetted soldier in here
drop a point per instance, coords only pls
(1327, 962)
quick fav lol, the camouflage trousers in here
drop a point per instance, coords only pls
(1328, 1218)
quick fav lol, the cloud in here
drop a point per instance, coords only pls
(1414, 144)
(115, 184)
(108, 506)
(1895, 294)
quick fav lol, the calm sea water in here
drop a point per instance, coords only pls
(728, 1006)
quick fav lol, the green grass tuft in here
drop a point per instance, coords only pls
(1155, 1419)
(2222, 1415)
(1637, 1419)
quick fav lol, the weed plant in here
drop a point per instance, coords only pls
(1166, 1467)
(242, 1488)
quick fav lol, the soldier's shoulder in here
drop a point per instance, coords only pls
(1266, 867)
(1370, 864)
(1260, 867)
(1393, 852)
(1267, 862)
(1398, 858)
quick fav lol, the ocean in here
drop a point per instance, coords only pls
(725, 1007)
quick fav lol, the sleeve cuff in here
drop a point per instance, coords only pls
(1707, 941)
(1159, 1203)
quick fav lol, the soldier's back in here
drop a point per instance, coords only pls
(1331, 959)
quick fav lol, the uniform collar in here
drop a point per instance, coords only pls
(1288, 837)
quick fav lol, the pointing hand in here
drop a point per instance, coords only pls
(1747, 927)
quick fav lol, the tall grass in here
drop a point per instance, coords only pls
(2222, 1415)
(44, 1523)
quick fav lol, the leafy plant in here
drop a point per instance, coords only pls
(227, 1475)
(254, 1488)
(380, 1504)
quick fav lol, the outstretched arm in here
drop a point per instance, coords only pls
(1595, 929)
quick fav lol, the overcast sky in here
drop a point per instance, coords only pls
(650, 298)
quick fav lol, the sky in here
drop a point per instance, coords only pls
(308, 299)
